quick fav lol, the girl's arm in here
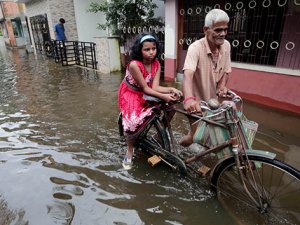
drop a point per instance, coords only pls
(156, 86)
(139, 79)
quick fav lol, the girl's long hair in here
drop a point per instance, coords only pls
(136, 49)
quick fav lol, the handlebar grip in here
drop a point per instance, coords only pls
(232, 93)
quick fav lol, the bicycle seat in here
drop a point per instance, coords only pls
(151, 98)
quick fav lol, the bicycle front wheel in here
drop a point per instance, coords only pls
(274, 186)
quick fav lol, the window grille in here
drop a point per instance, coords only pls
(264, 32)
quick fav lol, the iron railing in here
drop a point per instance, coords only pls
(73, 53)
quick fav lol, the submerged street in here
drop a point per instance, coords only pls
(60, 152)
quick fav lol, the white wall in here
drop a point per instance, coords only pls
(87, 22)
(55, 9)
(160, 11)
(171, 29)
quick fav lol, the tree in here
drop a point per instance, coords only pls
(120, 13)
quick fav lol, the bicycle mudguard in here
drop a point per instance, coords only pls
(252, 152)
(256, 152)
(266, 154)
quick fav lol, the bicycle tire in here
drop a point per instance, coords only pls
(278, 187)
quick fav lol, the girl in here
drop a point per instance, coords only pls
(142, 77)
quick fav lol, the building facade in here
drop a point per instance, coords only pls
(265, 46)
(44, 14)
(14, 25)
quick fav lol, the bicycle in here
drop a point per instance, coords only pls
(252, 184)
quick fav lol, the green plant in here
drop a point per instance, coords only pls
(120, 13)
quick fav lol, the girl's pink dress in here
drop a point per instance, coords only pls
(133, 107)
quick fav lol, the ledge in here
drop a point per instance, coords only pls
(270, 69)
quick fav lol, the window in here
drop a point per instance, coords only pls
(264, 32)
(17, 27)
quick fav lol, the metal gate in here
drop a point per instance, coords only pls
(40, 32)
(73, 53)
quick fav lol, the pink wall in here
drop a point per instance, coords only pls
(276, 90)
(170, 69)
(11, 8)
(290, 39)
(12, 40)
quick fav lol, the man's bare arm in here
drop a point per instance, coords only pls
(190, 103)
(187, 83)
(221, 87)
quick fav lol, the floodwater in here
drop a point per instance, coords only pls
(60, 153)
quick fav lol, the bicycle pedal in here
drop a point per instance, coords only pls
(153, 160)
(203, 170)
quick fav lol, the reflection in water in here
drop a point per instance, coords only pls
(278, 132)
(60, 154)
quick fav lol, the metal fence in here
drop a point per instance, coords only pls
(72, 53)
(40, 31)
(64, 52)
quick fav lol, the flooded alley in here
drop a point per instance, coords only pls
(60, 153)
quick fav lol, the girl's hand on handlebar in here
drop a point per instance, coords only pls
(176, 93)
(168, 97)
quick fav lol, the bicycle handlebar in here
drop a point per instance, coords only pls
(214, 106)
(159, 100)
(235, 97)
(211, 105)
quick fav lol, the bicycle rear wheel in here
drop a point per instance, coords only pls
(275, 186)
(155, 133)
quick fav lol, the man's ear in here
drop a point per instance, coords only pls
(205, 29)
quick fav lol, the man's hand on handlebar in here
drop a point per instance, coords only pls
(223, 92)
(192, 106)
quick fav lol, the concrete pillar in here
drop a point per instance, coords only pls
(171, 30)
(108, 54)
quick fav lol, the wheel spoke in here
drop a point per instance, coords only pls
(284, 188)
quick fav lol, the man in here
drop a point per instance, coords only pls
(206, 66)
(59, 30)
